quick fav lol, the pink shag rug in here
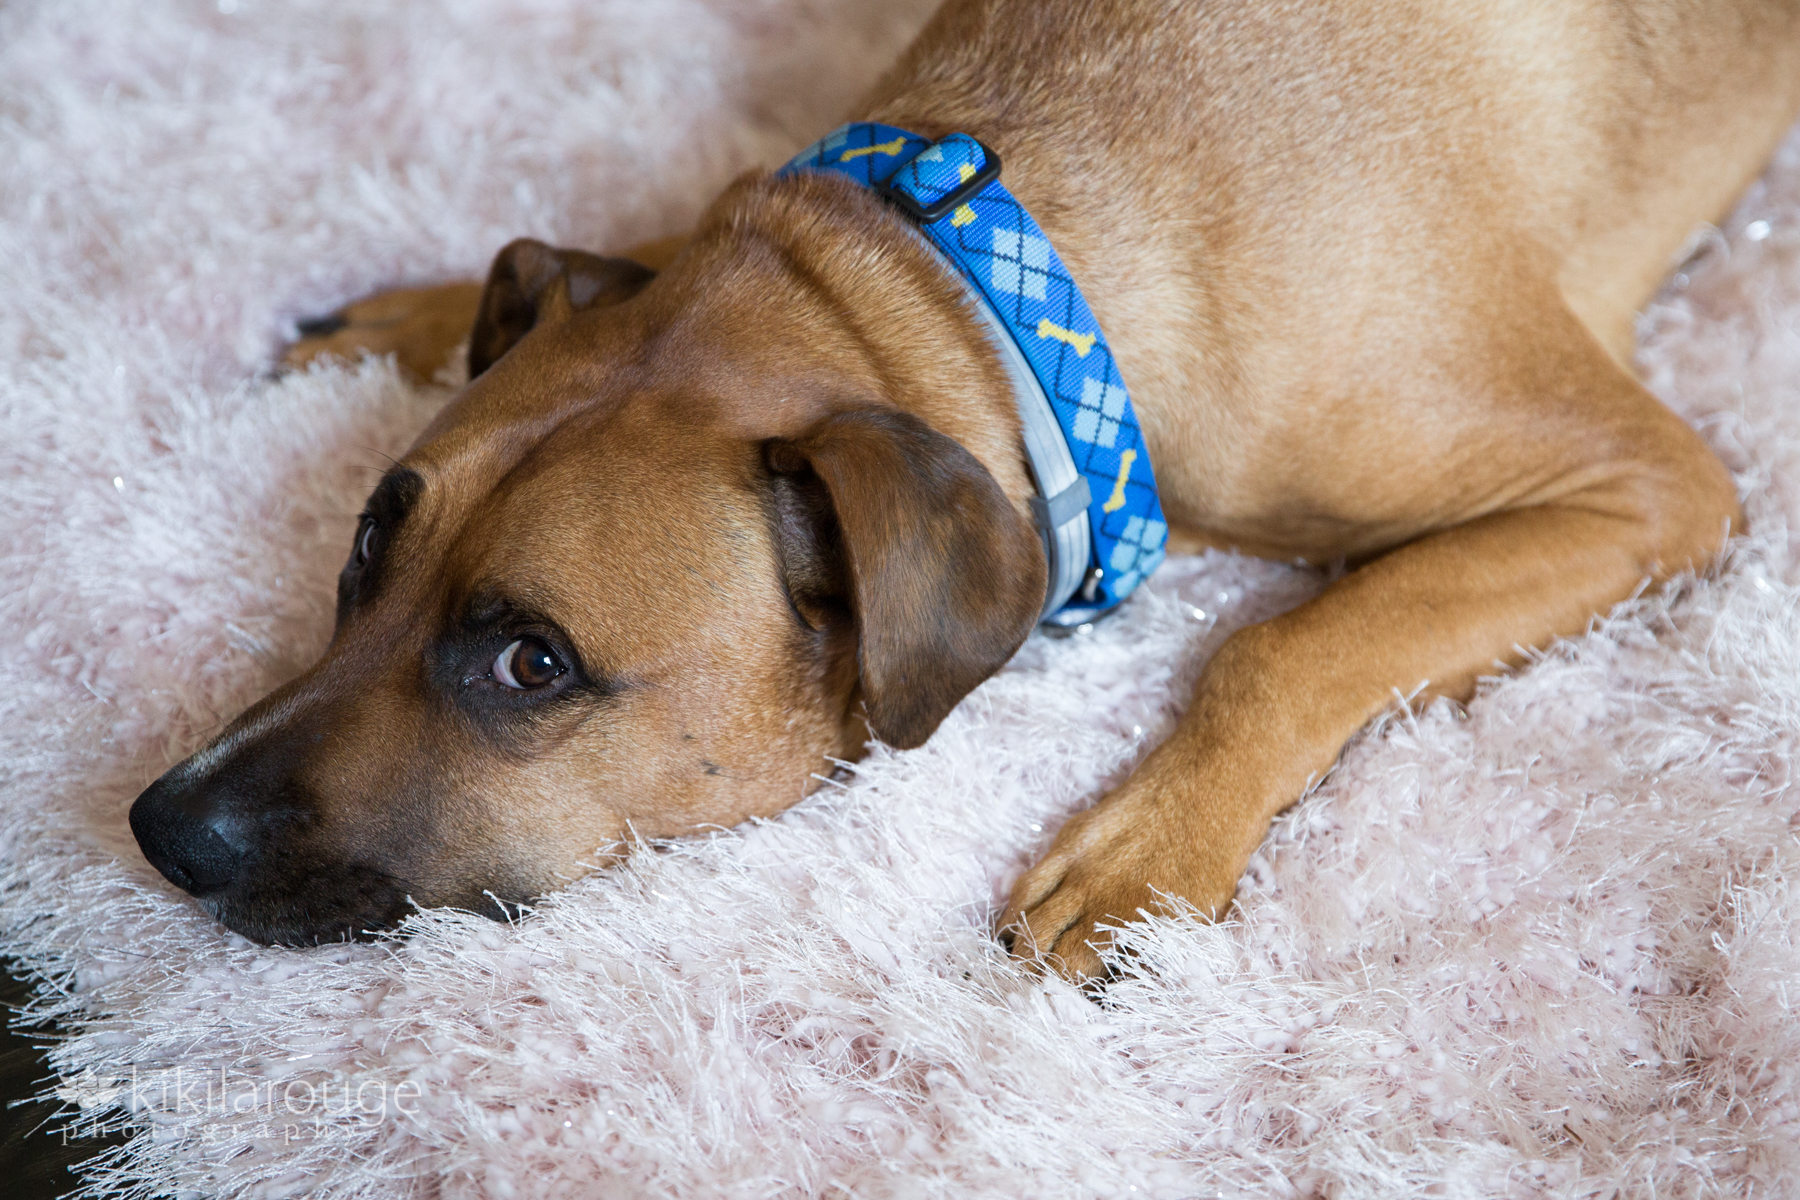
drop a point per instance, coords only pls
(1544, 946)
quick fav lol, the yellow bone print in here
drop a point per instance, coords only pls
(892, 147)
(1116, 501)
(1082, 342)
(963, 214)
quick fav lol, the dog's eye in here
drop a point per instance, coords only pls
(527, 663)
(365, 541)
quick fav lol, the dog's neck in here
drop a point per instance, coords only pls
(850, 291)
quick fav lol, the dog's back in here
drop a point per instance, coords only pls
(1278, 208)
(1599, 130)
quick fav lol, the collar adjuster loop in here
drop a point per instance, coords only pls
(904, 187)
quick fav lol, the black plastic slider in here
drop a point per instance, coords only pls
(927, 213)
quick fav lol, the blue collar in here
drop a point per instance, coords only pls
(1097, 506)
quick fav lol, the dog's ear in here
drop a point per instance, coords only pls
(533, 284)
(941, 573)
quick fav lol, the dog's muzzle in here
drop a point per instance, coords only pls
(241, 832)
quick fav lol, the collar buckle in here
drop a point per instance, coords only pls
(899, 188)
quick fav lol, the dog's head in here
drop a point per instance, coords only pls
(643, 576)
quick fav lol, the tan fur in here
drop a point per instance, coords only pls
(1369, 270)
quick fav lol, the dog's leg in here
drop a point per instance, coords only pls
(1634, 494)
(420, 327)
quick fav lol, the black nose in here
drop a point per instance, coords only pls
(177, 831)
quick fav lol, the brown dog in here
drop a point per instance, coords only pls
(1369, 270)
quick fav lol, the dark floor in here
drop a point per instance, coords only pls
(34, 1156)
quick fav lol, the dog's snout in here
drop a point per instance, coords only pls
(178, 830)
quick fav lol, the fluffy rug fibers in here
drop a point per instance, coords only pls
(1543, 945)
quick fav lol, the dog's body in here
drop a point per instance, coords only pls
(1370, 273)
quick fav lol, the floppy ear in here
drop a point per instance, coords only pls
(532, 284)
(942, 575)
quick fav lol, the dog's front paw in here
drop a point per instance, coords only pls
(420, 327)
(1127, 856)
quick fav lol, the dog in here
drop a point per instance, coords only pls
(708, 514)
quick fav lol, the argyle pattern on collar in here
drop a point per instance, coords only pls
(995, 244)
